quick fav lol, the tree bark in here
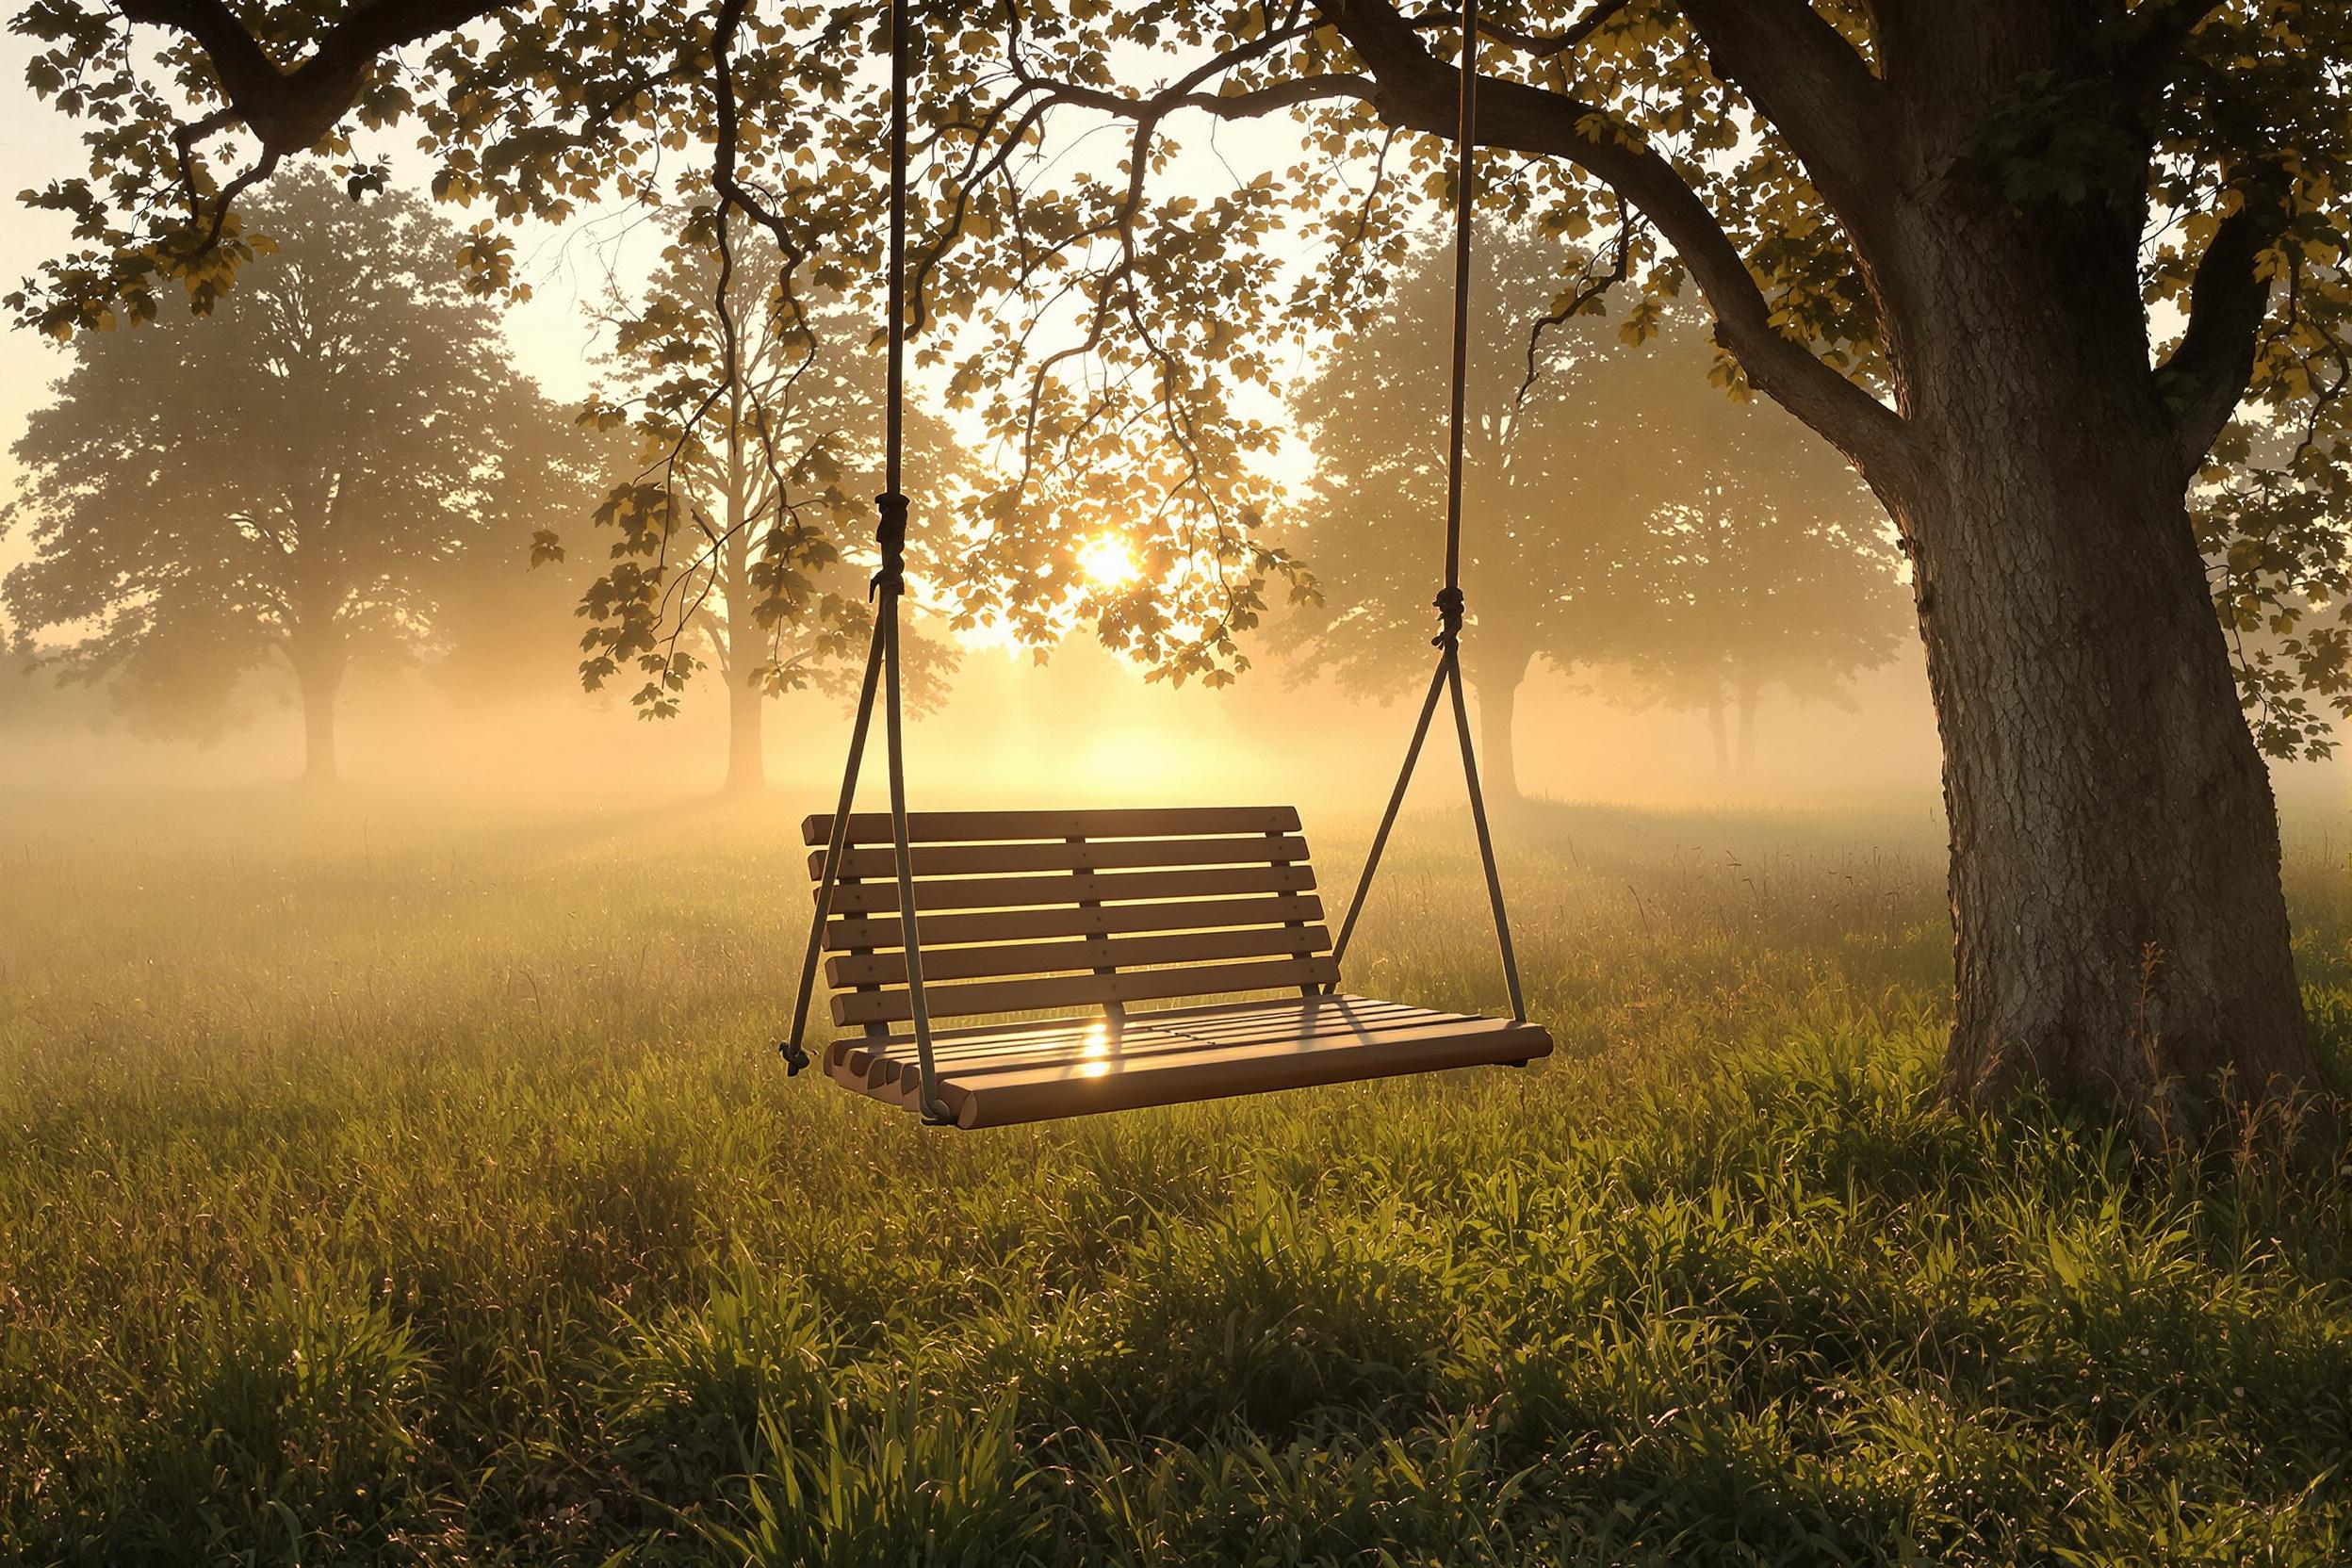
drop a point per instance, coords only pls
(2121, 931)
(746, 765)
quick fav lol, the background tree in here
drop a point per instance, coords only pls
(1620, 512)
(1934, 232)
(1762, 561)
(758, 418)
(282, 482)
(1760, 597)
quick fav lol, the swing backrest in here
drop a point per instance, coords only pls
(1019, 911)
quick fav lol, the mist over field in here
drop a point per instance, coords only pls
(1081, 729)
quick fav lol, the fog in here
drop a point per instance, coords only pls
(1082, 729)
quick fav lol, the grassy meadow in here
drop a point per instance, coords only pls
(385, 1183)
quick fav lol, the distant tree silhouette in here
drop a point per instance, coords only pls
(748, 480)
(1621, 512)
(284, 481)
(1763, 563)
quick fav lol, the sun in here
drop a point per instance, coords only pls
(1107, 562)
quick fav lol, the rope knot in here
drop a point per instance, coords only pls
(890, 533)
(1449, 603)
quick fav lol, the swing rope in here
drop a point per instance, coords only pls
(1447, 677)
(888, 587)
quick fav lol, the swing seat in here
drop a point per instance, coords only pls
(1044, 911)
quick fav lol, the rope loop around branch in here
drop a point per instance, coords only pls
(889, 534)
(1449, 609)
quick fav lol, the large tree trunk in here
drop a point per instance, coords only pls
(1718, 731)
(2121, 931)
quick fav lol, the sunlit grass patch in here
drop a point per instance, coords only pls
(430, 1193)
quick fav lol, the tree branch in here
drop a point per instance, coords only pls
(1416, 89)
(1288, 94)
(1538, 45)
(1803, 76)
(2207, 372)
(2157, 32)
(288, 110)
(1591, 287)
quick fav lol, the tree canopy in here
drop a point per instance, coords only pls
(285, 480)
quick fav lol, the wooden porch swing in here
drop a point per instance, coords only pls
(962, 914)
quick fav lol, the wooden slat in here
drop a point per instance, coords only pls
(1036, 1094)
(1529, 1042)
(886, 1057)
(1081, 990)
(1006, 925)
(1249, 1022)
(1101, 953)
(973, 859)
(1131, 1055)
(996, 892)
(1174, 1018)
(849, 1076)
(873, 1063)
(850, 1053)
(933, 827)
(1213, 1019)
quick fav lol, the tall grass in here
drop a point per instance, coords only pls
(376, 1184)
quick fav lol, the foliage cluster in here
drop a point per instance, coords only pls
(757, 422)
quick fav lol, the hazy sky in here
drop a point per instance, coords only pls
(35, 147)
